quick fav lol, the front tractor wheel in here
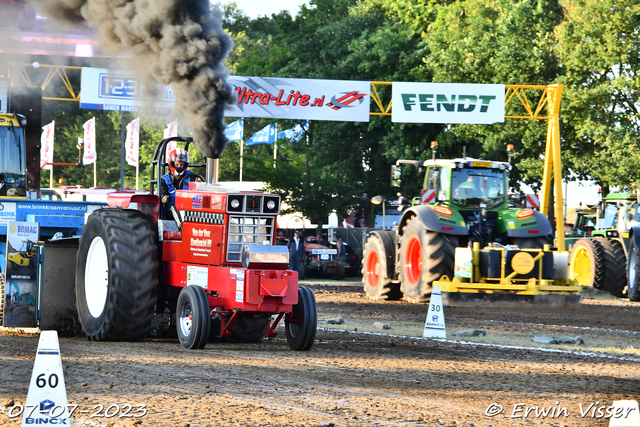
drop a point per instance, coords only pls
(586, 263)
(193, 318)
(117, 275)
(377, 284)
(302, 323)
(425, 256)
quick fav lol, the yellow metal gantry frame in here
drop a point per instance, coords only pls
(24, 74)
(549, 102)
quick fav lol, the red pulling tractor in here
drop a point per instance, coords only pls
(214, 267)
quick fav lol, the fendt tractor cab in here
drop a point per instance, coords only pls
(462, 227)
(13, 160)
(213, 267)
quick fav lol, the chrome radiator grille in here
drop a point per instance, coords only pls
(247, 230)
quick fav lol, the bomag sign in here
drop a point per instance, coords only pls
(447, 103)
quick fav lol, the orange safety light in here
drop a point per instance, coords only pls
(525, 213)
(443, 210)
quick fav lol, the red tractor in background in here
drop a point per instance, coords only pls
(214, 267)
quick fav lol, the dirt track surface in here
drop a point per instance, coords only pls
(352, 378)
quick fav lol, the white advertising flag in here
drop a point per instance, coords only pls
(170, 132)
(90, 153)
(133, 142)
(46, 144)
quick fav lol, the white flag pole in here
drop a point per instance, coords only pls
(241, 155)
(51, 177)
(275, 146)
(137, 172)
(95, 174)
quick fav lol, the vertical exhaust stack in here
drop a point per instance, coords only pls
(212, 171)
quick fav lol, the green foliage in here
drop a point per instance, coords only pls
(600, 49)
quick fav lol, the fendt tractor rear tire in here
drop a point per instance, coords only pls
(615, 265)
(377, 286)
(193, 318)
(117, 275)
(301, 329)
(586, 263)
(633, 272)
(425, 256)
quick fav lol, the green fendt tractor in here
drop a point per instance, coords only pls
(601, 260)
(463, 201)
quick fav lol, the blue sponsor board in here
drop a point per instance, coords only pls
(115, 90)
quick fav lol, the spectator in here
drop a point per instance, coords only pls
(342, 252)
(296, 251)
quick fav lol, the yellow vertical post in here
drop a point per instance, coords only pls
(553, 163)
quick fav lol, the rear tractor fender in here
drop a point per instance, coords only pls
(436, 218)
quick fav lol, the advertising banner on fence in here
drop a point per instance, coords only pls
(20, 279)
(447, 103)
(281, 98)
(102, 89)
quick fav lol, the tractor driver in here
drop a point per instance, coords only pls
(178, 164)
(468, 188)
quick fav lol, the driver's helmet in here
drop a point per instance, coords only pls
(178, 155)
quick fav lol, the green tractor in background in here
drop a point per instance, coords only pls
(463, 201)
(601, 260)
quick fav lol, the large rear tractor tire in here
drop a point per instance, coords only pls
(587, 263)
(615, 264)
(301, 325)
(193, 318)
(377, 284)
(633, 272)
(117, 275)
(425, 256)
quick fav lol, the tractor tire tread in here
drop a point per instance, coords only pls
(615, 267)
(133, 279)
(438, 258)
(385, 289)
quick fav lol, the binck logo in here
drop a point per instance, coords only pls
(431, 102)
(46, 405)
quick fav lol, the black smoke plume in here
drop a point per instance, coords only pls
(177, 42)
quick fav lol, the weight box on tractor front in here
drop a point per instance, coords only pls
(212, 268)
(463, 236)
